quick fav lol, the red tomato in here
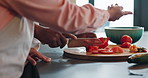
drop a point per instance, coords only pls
(144, 50)
(126, 38)
(126, 45)
(104, 42)
(91, 48)
(94, 52)
(117, 49)
(105, 51)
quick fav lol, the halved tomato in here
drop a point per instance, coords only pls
(104, 42)
(94, 52)
(92, 48)
(105, 51)
(117, 49)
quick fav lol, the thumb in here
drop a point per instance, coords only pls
(68, 35)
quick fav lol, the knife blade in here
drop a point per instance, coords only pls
(84, 42)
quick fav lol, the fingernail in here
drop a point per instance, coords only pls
(48, 59)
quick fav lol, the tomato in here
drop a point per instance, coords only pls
(94, 52)
(105, 51)
(126, 38)
(144, 50)
(126, 45)
(104, 42)
(117, 49)
(92, 48)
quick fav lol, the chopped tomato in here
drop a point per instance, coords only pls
(92, 48)
(126, 45)
(144, 50)
(94, 52)
(105, 51)
(117, 49)
(102, 39)
(104, 42)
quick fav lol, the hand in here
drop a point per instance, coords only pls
(87, 35)
(116, 12)
(34, 56)
(52, 38)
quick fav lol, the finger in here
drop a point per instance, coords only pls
(42, 57)
(58, 42)
(92, 42)
(92, 35)
(87, 35)
(63, 41)
(126, 12)
(121, 7)
(31, 60)
(116, 4)
(35, 58)
(111, 5)
(68, 35)
(108, 7)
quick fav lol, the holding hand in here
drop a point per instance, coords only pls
(34, 56)
(116, 12)
(87, 35)
(52, 38)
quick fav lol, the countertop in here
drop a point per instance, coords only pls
(63, 67)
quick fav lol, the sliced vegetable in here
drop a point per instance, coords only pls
(92, 48)
(104, 42)
(117, 49)
(134, 48)
(126, 45)
(142, 49)
(105, 51)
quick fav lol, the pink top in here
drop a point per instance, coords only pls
(5, 17)
(16, 33)
(59, 14)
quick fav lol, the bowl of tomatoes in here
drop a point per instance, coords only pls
(131, 34)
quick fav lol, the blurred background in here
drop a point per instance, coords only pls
(138, 7)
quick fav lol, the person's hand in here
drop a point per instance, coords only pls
(116, 12)
(52, 38)
(86, 35)
(34, 56)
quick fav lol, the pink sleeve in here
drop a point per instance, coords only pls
(59, 14)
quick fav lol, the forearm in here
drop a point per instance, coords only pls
(59, 14)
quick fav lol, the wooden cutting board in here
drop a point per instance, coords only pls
(80, 53)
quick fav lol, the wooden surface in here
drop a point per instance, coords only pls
(80, 53)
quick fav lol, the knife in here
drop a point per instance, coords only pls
(84, 42)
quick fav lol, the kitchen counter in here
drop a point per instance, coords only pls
(62, 67)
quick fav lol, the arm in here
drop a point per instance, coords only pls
(59, 14)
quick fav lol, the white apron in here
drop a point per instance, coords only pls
(15, 42)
